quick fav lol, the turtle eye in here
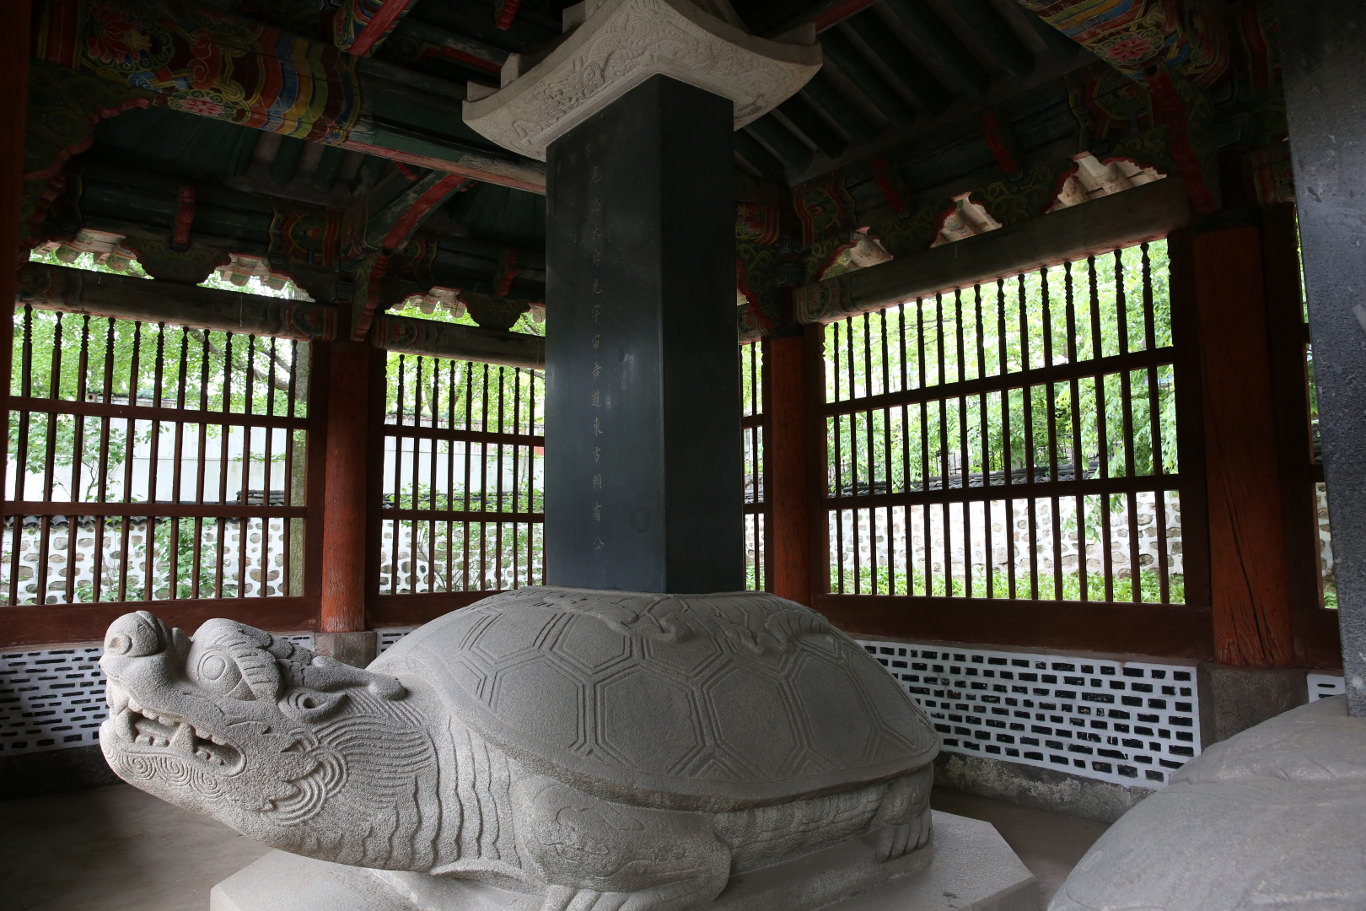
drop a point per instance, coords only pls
(216, 671)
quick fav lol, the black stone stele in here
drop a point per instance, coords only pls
(644, 471)
(1327, 118)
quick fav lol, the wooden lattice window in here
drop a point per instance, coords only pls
(462, 477)
(753, 392)
(151, 462)
(1014, 439)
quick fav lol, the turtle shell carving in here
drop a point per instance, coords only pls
(712, 702)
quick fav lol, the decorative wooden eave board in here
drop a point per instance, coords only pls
(127, 297)
(1140, 214)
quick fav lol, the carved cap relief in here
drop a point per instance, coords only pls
(622, 44)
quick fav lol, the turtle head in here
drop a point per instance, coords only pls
(291, 748)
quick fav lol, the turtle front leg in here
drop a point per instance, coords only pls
(903, 822)
(595, 855)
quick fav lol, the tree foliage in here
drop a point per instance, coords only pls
(1004, 409)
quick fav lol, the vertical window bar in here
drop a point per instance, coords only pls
(964, 450)
(220, 550)
(988, 553)
(1155, 431)
(414, 491)
(838, 474)
(125, 523)
(942, 503)
(906, 564)
(287, 545)
(21, 454)
(1078, 457)
(850, 394)
(77, 458)
(53, 392)
(1102, 432)
(866, 417)
(1007, 460)
(435, 410)
(1026, 359)
(267, 456)
(516, 476)
(498, 525)
(452, 393)
(201, 466)
(158, 374)
(97, 567)
(469, 422)
(177, 470)
(1051, 397)
(244, 524)
(484, 485)
(887, 464)
(396, 527)
(1127, 414)
(923, 415)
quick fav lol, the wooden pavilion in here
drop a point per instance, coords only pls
(954, 164)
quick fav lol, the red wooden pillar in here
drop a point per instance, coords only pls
(1248, 582)
(14, 40)
(346, 476)
(789, 466)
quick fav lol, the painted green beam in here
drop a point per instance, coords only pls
(197, 59)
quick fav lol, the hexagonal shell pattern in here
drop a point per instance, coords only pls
(690, 702)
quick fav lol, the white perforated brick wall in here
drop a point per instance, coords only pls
(1128, 722)
(388, 637)
(50, 700)
(1322, 685)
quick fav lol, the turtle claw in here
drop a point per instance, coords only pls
(563, 898)
(900, 840)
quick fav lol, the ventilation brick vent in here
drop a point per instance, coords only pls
(51, 700)
(1125, 722)
(388, 637)
(1321, 686)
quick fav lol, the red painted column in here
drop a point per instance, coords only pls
(13, 103)
(1248, 584)
(789, 466)
(346, 473)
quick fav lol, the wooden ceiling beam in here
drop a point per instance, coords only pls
(1196, 44)
(266, 79)
(360, 26)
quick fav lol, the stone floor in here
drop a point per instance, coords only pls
(118, 849)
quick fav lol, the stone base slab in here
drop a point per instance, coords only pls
(972, 869)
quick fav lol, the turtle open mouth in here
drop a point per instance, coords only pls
(137, 726)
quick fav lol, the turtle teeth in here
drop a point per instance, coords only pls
(133, 704)
(116, 697)
(183, 739)
(123, 724)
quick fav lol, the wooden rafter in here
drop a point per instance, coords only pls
(258, 76)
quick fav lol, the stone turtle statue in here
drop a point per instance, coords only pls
(609, 751)
(1270, 819)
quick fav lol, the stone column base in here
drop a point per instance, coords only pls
(968, 867)
(355, 649)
